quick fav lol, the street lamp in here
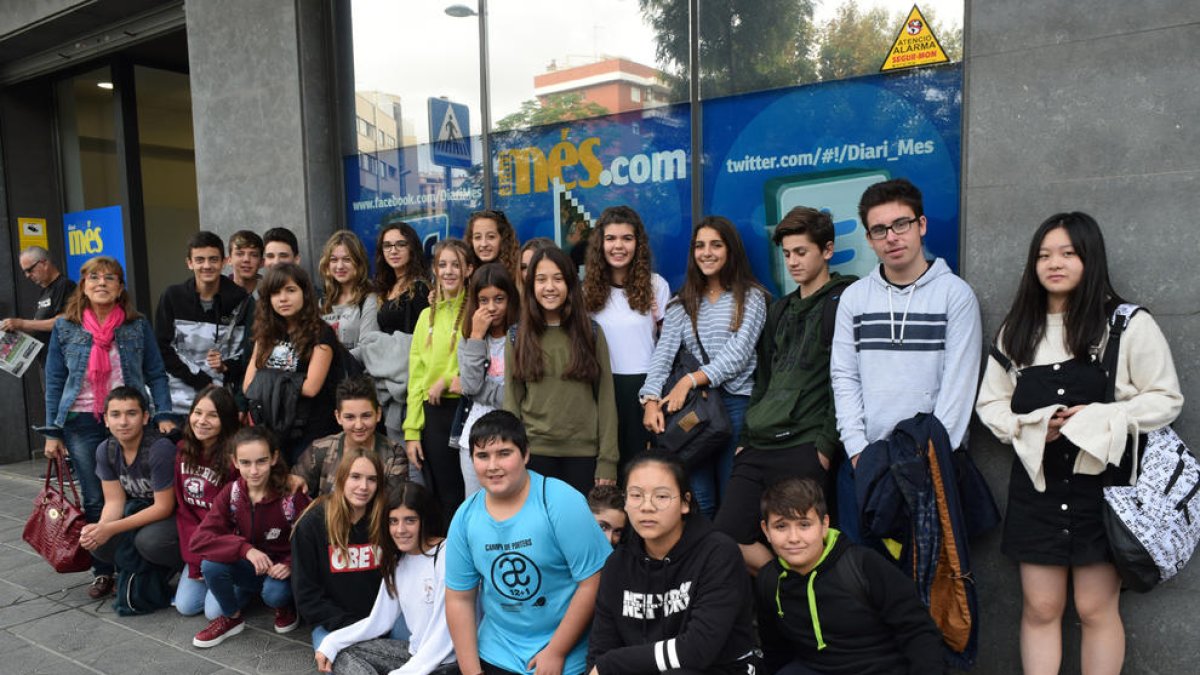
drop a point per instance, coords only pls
(460, 11)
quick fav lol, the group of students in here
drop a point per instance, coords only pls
(493, 388)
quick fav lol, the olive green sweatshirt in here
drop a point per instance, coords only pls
(566, 418)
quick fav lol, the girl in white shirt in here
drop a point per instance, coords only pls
(628, 300)
(413, 588)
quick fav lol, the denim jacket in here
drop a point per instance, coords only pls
(67, 360)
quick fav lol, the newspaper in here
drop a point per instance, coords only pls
(17, 351)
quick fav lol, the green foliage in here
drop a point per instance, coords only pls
(557, 108)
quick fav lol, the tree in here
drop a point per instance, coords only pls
(556, 108)
(854, 42)
(745, 45)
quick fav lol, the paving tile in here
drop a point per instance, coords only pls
(19, 605)
(22, 656)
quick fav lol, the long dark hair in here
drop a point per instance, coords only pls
(639, 285)
(529, 363)
(417, 269)
(270, 329)
(277, 479)
(736, 275)
(416, 497)
(491, 275)
(191, 450)
(1088, 304)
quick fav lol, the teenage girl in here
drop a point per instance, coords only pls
(558, 378)
(492, 239)
(349, 306)
(493, 306)
(678, 562)
(717, 316)
(433, 383)
(243, 541)
(628, 300)
(403, 293)
(413, 590)
(336, 546)
(203, 465)
(1043, 393)
(290, 336)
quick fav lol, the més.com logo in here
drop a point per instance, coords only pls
(87, 240)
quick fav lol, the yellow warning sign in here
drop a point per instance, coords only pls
(33, 232)
(915, 45)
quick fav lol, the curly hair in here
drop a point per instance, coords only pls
(639, 287)
(510, 254)
(360, 283)
(463, 252)
(270, 329)
(417, 268)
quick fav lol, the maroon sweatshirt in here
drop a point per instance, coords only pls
(233, 525)
(195, 489)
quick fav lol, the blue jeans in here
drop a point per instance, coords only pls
(82, 434)
(234, 584)
(709, 479)
(193, 596)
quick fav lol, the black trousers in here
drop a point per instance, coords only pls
(578, 472)
(442, 472)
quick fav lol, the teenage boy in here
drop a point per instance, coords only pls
(908, 338)
(828, 606)
(358, 413)
(203, 324)
(790, 427)
(245, 260)
(280, 246)
(136, 472)
(530, 543)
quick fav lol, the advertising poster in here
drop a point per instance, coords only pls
(92, 233)
(821, 145)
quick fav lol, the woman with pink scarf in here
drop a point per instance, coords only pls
(100, 342)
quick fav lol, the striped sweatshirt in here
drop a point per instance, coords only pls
(731, 353)
(902, 351)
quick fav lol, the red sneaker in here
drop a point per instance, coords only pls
(286, 619)
(220, 628)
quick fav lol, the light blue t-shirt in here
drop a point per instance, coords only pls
(528, 568)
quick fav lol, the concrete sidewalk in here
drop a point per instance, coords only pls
(48, 625)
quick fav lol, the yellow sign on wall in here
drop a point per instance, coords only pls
(915, 45)
(33, 233)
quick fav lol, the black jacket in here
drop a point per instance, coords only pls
(870, 619)
(186, 331)
(691, 610)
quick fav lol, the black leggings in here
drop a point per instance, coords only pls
(578, 472)
(442, 471)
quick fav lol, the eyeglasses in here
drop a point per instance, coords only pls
(31, 268)
(660, 500)
(899, 226)
(95, 277)
(394, 245)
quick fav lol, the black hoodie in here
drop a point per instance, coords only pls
(691, 610)
(864, 617)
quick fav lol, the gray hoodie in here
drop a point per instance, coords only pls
(902, 351)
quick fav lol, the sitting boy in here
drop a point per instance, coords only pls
(529, 547)
(607, 503)
(827, 606)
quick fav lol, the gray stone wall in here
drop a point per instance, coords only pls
(1092, 107)
(265, 141)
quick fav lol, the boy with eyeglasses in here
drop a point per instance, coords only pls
(908, 338)
(528, 547)
(203, 324)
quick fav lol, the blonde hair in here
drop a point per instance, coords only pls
(463, 252)
(360, 282)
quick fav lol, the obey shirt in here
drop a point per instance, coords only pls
(527, 568)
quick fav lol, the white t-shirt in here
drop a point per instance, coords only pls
(631, 335)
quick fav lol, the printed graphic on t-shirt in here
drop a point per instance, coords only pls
(196, 477)
(284, 357)
(514, 575)
(655, 605)
(357, 558)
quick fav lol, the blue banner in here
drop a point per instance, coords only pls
(93, 233)
(821, 145)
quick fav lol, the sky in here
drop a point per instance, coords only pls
(414, 49)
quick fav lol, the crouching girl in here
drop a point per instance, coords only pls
(243, 542)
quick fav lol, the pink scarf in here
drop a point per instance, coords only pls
(99, 369)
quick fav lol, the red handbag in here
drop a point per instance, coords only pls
(54, 526)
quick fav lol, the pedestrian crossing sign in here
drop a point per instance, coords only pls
(449, 133)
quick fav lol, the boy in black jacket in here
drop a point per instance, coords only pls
(826, 606)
